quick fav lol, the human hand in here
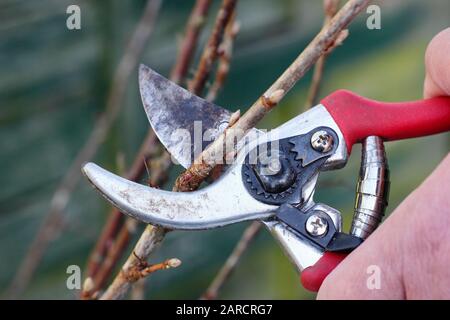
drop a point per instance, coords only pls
(412, 247)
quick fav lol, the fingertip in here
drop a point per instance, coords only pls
(437, 63)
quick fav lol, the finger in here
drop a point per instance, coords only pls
(437, 63)
(395, 261)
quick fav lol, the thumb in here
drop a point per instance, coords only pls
(437, 62)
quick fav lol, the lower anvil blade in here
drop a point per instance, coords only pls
(184, 123)
(224, 202)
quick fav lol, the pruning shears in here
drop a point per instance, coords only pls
(273, 175)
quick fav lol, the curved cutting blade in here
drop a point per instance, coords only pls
(224, 202)
(178, 117)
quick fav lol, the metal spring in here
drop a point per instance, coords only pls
(372, 189)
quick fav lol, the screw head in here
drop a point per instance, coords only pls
(316, 225)
(322, 141)
(274, 165)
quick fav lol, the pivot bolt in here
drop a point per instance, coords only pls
(274, 172)
(322, 141)
(316, 225)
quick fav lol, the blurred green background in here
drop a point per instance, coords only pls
(54, 82)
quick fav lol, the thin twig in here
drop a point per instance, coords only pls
(225, 52)
(137, 271)
(210, 53)
(52, 222)
(230, 265)
(114, 253)
(195, 175)
(170, 263)
(149, 240)
(113, 233)
(330, 8)
(143, 268)
(120, 285)
(189, 42)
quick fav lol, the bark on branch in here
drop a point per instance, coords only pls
(149, 240)
(330, 8)
(210, 53)
(225, 51)
(189, 42)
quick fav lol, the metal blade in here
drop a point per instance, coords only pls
(224, 202)
(173, 113)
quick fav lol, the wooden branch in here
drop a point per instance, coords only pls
(231, 263)
(194, 176)
(149, 240)
(170, 263)
(115, 233)
(136, 271)
(114, 253)
(120, 285)
(210, 52)
(189, 42)
(330, 8)
(225, 52)
(50, 227)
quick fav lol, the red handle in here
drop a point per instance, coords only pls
(313, 276)
(359, 117)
